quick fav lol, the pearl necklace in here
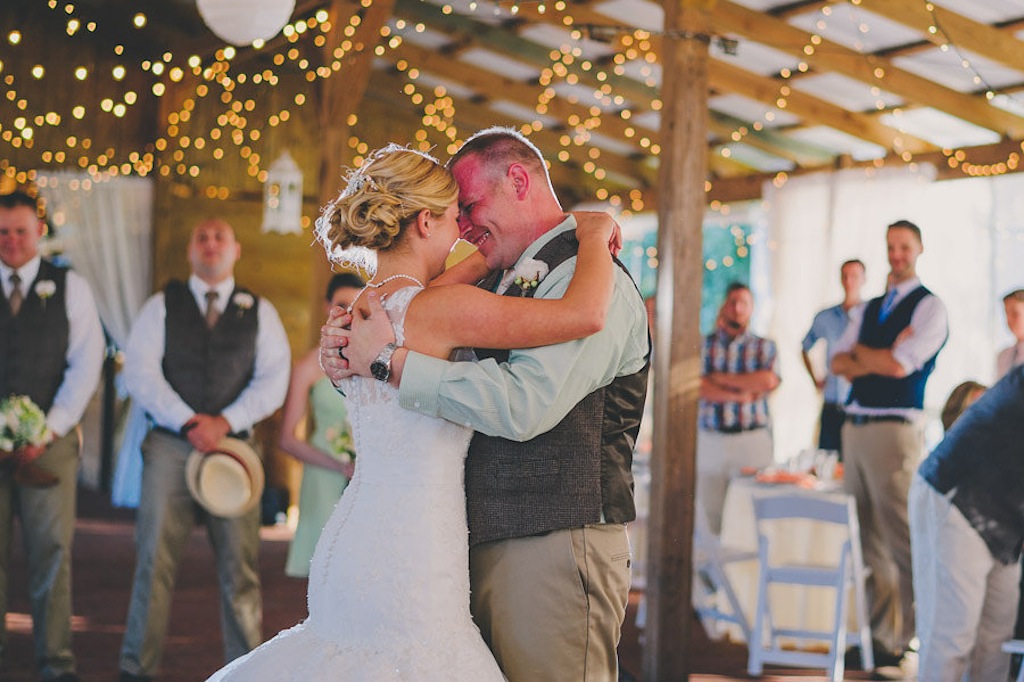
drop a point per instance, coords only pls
(378, 285)
(384, 281)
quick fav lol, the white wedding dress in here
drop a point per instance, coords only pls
(389, 581)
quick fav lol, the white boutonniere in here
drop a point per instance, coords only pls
(45, 288)
(528, 274)
(243, 302)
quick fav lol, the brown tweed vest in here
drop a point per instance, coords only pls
(575, 474)
(34, 344)
(208, 368)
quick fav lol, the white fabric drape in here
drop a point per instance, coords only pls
(105, 231)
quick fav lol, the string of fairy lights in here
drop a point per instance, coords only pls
(239, 123)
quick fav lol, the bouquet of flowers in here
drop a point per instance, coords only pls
(341, 444)
(23, 425)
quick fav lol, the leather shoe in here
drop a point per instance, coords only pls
(883, 658)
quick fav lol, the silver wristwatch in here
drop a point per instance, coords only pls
(380, 368)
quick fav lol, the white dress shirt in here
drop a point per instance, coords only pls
(144, 376)
(85, 345)
(930, 326)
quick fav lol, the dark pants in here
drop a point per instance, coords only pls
(829, 436)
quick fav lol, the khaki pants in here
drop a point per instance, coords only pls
(720, 456)
(966, 599)
(880, 459)
(48, 524)
(166, 516)
(551, 606)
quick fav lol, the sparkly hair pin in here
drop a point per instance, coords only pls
(359, 180)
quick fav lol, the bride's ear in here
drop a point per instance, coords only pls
(423, 219)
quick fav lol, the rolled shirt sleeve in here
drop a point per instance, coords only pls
(537, 387)
(84, 357)
(929, 323)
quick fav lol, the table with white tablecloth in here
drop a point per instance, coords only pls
(789, 541)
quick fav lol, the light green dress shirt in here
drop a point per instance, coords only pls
(537, 387)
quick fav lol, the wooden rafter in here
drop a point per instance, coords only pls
(729, 17)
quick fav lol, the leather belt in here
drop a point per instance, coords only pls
(737, 429)
(861, 419)
(244, 435)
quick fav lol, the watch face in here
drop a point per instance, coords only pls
(380, 370)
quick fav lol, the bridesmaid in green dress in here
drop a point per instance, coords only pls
(327, 454)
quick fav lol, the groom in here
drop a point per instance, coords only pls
(548, 481)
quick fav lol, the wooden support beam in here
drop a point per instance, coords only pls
(677, 341)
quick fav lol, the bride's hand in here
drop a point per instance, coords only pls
(333, 338)
(599, 224)
(367, 336)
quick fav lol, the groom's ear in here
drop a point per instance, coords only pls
(520, 178)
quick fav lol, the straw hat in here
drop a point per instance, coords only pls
(228, 480)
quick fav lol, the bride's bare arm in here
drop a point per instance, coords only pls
(469, 270)
(447, 317)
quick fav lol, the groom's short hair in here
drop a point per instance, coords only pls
(501, 144)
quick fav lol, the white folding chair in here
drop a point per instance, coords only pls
(711, 583)
(845, 575)
(1016, 646)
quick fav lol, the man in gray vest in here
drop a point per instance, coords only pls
(548, 481)
(51, 350)
(206, 359)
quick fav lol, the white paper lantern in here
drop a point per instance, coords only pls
(282, 197)
(240, 22)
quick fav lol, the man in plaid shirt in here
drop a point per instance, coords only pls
(739, 370)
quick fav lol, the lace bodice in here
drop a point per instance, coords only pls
(379, 422)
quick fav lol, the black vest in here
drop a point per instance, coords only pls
(208, 368)
(34, 344)
(569, 476)
(874, 390)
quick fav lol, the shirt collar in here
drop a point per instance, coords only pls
(223, 289)
(723, 337)
(905, 287)
(27, 272)
(534, 248)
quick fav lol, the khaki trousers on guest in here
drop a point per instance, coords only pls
(166, 516)
(966, 598)
(720, 456)
(47, 524)
(880, 459)
(551, 606)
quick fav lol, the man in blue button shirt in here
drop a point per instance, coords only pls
(828, 326)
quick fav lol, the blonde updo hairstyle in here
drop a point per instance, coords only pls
(383, 197)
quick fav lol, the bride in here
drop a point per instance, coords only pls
(389, 582)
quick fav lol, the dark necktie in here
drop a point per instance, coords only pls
(212, 315)
(17, 298)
